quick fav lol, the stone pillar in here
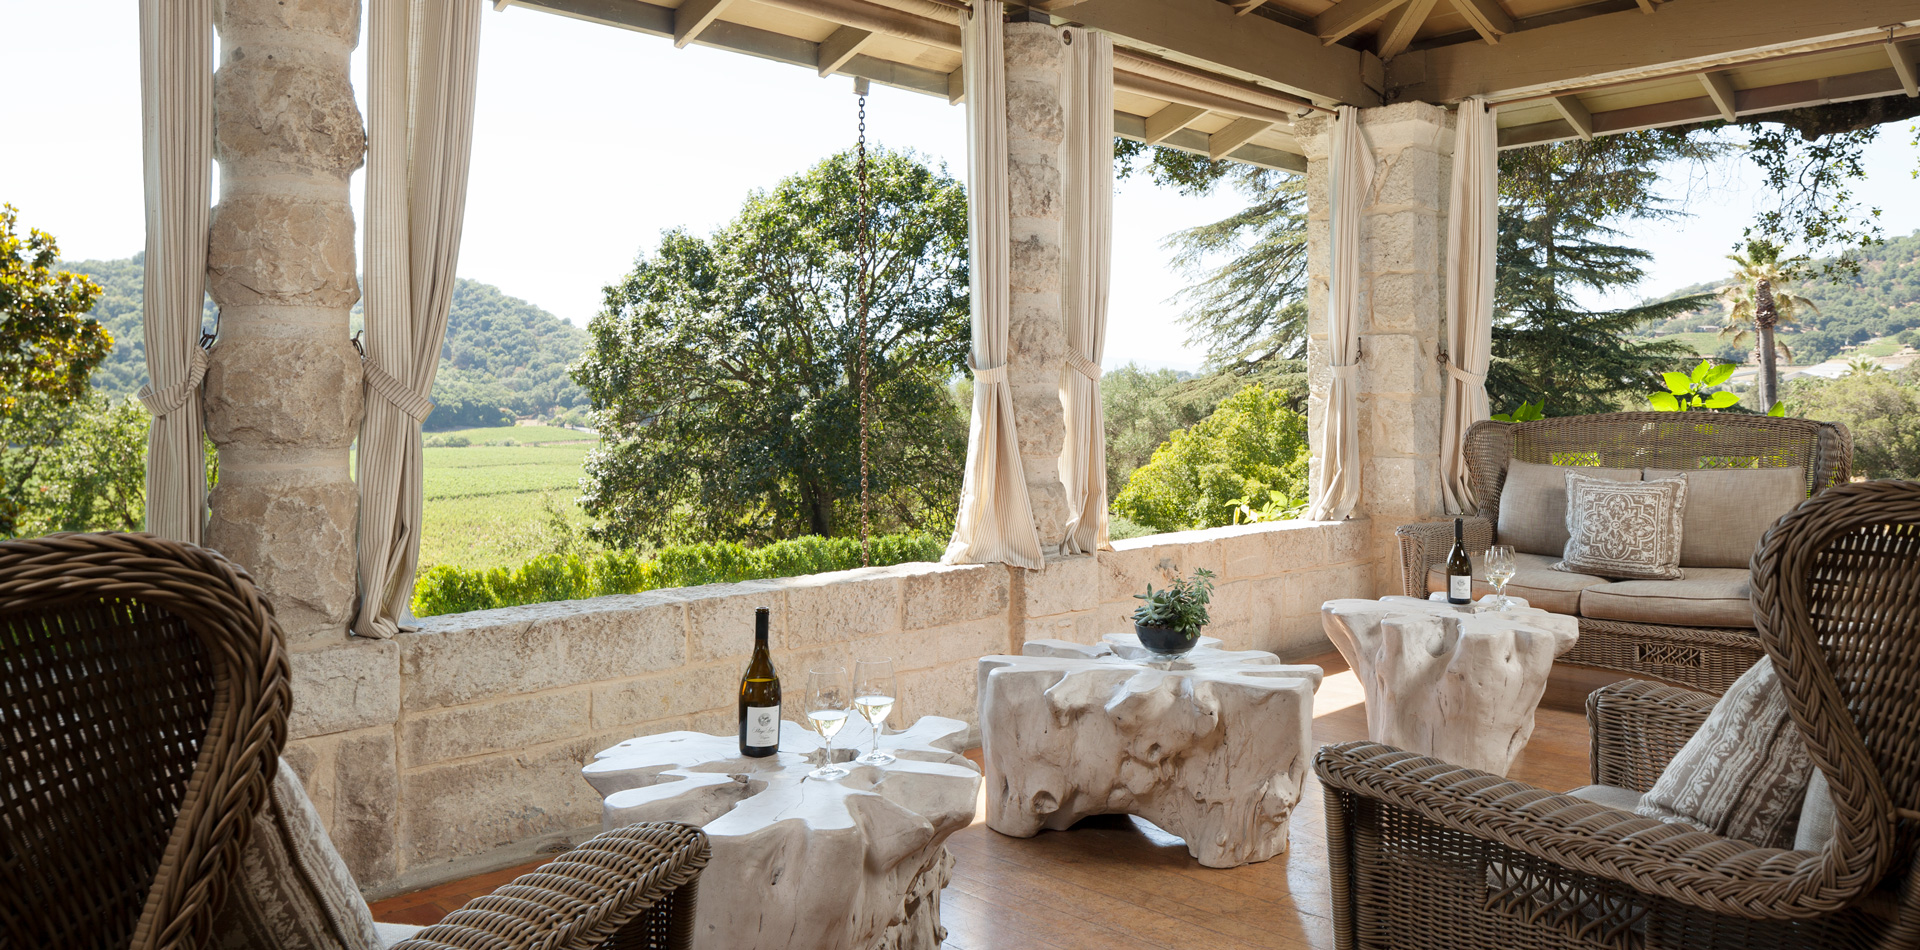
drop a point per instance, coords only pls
(1403, 256)
(283, 388)
(1037, 339)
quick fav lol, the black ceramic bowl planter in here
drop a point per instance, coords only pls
(1166, 641)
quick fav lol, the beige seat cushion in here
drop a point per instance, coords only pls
(292, 891)
(1612, 796)
(391, 934)
(1706, 597)
(1729, 509)
(1536, 581)
(1816, 816)
(1533, 505)
(1744, 774)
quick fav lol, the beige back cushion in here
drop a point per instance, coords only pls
(1745, 773)
(1533, 504)
(292, 891)
(1728, 509)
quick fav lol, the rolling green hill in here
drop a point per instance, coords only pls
(1882, 300)
(503, 356)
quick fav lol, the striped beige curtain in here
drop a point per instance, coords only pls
(176, 111)
(1349, 177)
(1473, 218)
(1088, 269)
(995, 520)
(421, 69)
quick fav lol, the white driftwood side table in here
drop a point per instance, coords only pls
(1456, 683)
(1212, 747)
(796, 862)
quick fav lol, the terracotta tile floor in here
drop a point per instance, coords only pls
(1119, 883)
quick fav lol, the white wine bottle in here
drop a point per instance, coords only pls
(760, 696)
(1459, 567)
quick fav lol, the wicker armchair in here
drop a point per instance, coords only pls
(1425, 854)
(1705, 658)
(143, 707)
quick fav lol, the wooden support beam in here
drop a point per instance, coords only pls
(1245, 7)
(1209, 34)
(693, 17)
(1286, 158)
(1171, 118)
(1402, 24)
(1720, 90)
(840, 47)
(1625, 45)
(1575, 114)
(1646, 6)
(1228, 140)
(1871, 84)
(1348, 15)
(957, 86)
(1486, 17)
(1903, 66)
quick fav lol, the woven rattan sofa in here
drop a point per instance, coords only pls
(1630, 627)
(1424, 854)
(144, 692)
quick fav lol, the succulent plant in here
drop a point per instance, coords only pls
(1181, 605)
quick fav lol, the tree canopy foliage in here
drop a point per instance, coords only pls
(1880, 409)
(722, 370)
(1252, 445)
(48, 344)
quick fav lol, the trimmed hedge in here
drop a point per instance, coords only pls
(445, 589)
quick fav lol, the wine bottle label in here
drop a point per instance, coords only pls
(1460, 587)
(763, 726)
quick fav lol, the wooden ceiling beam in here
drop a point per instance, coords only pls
(1576, 115)
(1720, 90)
(1344, 17)
(1171, 118)
(1210, 34)
(1646, 6)
(1626, 45)
(1228, 140)
(693, 17)
(1244, 7)
(840, 48)
(1286, 157)
(1402, 25)
(1747, 102)
(1903, 65)
(1486, 17)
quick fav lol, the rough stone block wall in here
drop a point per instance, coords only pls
(439, 752)
(1402, 306)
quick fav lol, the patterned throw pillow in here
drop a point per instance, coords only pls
(292, 891)
(1745, 774)
(1624, 529)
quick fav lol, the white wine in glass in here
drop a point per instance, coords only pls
(826, 706)
(874, 689)
(1500, 569)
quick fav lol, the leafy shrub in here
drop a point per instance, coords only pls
(1251, 446)
(1120, 528)
(445, 589)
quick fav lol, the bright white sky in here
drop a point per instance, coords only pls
(590, 141)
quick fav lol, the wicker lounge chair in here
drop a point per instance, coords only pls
(1425, 854)
(1633, 634)
(143, 707)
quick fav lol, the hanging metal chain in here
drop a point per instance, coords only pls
(864, 255)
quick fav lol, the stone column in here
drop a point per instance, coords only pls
(283, 389)
(1404, 251)
(1037, 340)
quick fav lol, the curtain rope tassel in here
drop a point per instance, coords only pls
(176, 395)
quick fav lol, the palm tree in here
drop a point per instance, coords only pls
(1756, 302)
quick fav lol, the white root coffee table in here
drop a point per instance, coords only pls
(1456, 683)
(1212, 747)
(798, 863)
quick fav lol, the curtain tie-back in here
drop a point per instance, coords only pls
(176, 395)
(1079, 363)
(997, 374)
(1472, 379)
(406, 400)
(1347, 371)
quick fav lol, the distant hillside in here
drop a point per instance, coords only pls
(502, 354)
(1883, 299)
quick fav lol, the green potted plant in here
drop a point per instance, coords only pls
(1170, 619)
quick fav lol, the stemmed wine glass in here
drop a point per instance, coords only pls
(826, 706)
(874, 689)
(1500, 569)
